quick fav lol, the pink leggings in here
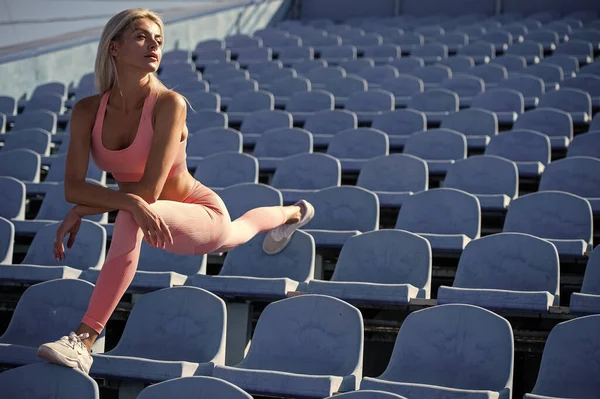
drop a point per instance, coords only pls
(200, 224)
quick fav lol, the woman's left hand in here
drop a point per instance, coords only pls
(70, 226)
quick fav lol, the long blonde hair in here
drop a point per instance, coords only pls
(105, 68)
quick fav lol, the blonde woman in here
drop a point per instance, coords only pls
(135, 129)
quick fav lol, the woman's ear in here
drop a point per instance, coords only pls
(112, 49)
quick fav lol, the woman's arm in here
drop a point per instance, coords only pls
(77, 190)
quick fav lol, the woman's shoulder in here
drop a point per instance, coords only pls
(169, 99)
(88, 105)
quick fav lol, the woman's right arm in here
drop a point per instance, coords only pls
(77, 190)
(94, 198)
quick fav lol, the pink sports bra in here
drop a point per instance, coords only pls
(127, 165)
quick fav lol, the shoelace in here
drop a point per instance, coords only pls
(73, 339)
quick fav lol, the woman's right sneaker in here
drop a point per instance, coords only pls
(68, 351)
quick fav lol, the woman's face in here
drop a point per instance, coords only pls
(140, 47)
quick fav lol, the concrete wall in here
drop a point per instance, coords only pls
(66, 61)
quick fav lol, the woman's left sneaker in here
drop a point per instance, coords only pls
(279, 237)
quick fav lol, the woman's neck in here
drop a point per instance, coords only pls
(129, 93)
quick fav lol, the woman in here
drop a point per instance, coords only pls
(136, 130)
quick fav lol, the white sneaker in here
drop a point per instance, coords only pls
(279, 237)
(68, 351)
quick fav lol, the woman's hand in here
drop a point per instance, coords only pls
(69, 226)
(156, 232)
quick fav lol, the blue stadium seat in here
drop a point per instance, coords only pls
(531, 87)
(591, 69)
(492, 74)
(57, 171)
(320, 75)
(446, 217)
(499, 38)
(547, 37)
(336, 54)
(163, 355)
(477, 362)
(562, 30)
(58, 306)
(214, 69)
(482, 52)
(247, 103)
(7, 241)
(493, 180)
(226, 169)
(39, 264)
(478, 125)
(50, 102)
(214, 140)
(210, 44)
(588, 300)
(574, 101)
(194, 387)
(466, 86)
(259, 122)
(587, 35)
(435, 103)
(354, 66)
(380, 267)
(284, 88)
(51, 88)
(575, 175)
(531, 50)
(366, 105)
(569, 363)
(54, 208)
(229, 89)
(567, 63)
(270, 75)
(459, 63)
(298, 174)
(383, 54)
(582, 50)
(242, 41)
(394, 177)
(306, 103)
(21, 164)
(325, 124)
(512, 62)
(225, 75)
(319, 41)
(399, 125)
(291, 54)
(249, 272)
(13, 198)
(363, 42)
(375, 76)
(41, 119)
(551, 74)
(276, 144)
(563, 219)
(51, 382)
(8, 106)
(587, 83)
(431, 53)
(408, 64)
(506, 271)
(354, 147)
(403, 87)
(518, 31)
(367, 395)
(440, 148)
(507, 104)
(206, 119)
(587, 145)
(340, 213)
(343, 87)
(285, 360)
(157, 269)
(247, 56)
(453, 41)
(432, 75)
(302, 67)
(241, 198)
(554, 123)
(529, 149)
(203, 101)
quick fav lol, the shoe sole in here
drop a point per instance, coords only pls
(55, 357)
(282, 244)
